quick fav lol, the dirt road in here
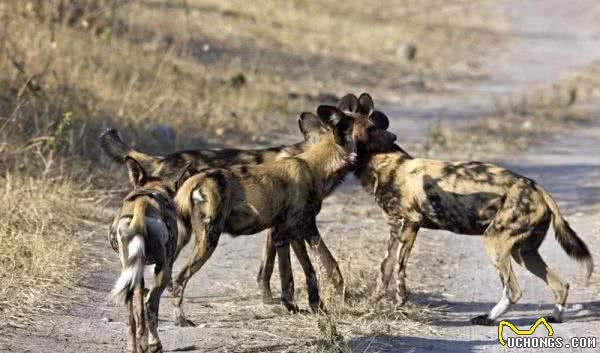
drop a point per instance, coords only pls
(548, 39)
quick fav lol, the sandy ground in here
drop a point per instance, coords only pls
(549, 39)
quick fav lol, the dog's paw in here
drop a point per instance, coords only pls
(553, 320)
(318, 308)
(483, 320)
(183, 322)
(290, 306)
(175, 290)
(401, 296)
(154, 348)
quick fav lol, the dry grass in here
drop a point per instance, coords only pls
(150, 62)
(43, 221)
(329, 45)
(100, 80)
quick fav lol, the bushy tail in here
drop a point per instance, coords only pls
(566, 236)
(114, 146)
(132, 273)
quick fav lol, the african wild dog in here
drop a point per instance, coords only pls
(362, 111)
(171, 165)
(144, 232)
(512, 212)
(284, 195)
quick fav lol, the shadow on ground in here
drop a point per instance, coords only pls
(392, 344)
(458, 313)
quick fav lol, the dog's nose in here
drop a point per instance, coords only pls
(393, 137)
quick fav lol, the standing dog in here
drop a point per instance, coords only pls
(144, 232)
(284, 195)
(362, 111)
(512, 212)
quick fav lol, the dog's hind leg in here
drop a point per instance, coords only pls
(162, 278)
(535, 264)
(210, 208)
(183, 238)
(208, 238)
(517, 219)
(131, 342)
(141, 337)
(265, 270)
(498, 249)
(502, 262)
(312, 283)
(527, 255)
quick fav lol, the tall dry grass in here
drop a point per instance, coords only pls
(43, 223)
(328, 45)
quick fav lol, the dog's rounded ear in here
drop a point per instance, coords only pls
(343, 131)
(330, 115)
(348, 103)
(380, 120)
(310, 126)
(184, 175)
(365, 104)
(137, 174)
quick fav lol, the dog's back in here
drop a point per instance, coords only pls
(169, 166)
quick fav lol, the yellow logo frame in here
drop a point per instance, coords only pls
(529, 332)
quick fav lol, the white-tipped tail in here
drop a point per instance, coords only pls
(132, 274)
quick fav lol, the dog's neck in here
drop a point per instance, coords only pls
(368, 162)
(327, 159)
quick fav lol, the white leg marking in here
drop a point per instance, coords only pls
(558, 312)
(502, 305)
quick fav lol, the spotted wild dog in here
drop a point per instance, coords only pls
(512, 212)
(144, 232)
(171, 165)
(284, 195)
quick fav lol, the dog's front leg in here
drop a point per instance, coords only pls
(389, 261)
(327, 260)
(407, 240)
(312, 284)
